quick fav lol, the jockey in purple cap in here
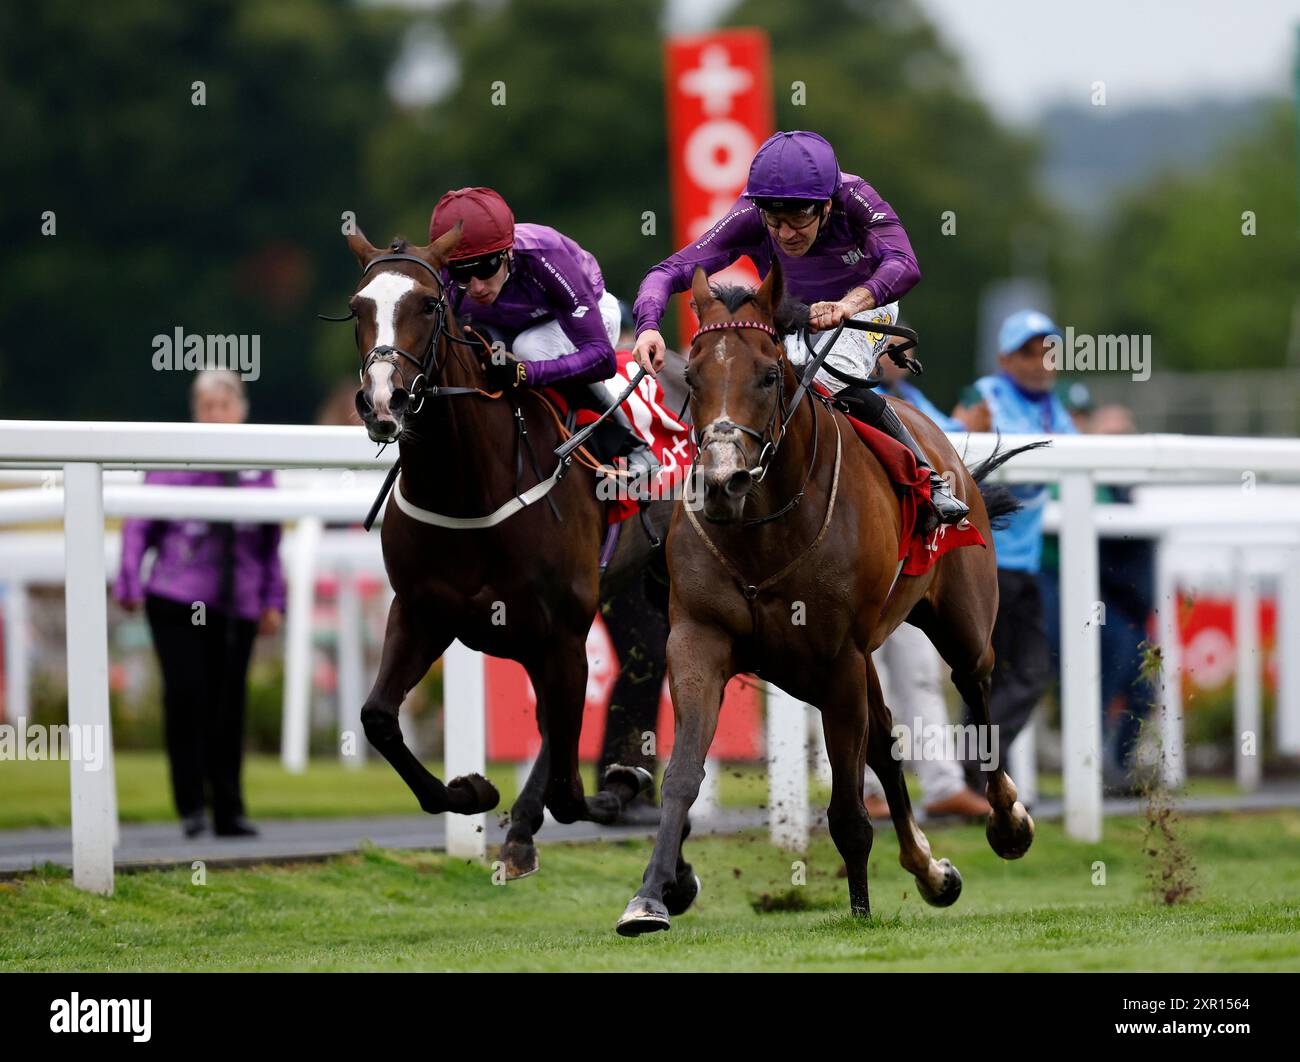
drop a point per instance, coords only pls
(842, 250)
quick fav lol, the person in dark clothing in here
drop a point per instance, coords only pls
(1018, 399)
(212, 589)
(639, 632)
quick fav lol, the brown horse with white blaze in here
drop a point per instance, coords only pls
(486, 539)
(800, 520)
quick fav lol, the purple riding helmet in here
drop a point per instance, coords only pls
(791, 169)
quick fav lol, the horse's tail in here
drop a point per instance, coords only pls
(998, 499)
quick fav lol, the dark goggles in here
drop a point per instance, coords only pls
(475, 268)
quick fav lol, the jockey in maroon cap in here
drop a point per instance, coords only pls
(543, 296)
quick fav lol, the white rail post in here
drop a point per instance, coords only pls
(1080, 659)
(1172, 766)
(821, 759)
(708, 803)
(94, 797)
(464, 730)
(295, 732)
(351, 689)
(17, 653)
(1288, 656)
(787, 770)
(1247, 710)
(1023, 755)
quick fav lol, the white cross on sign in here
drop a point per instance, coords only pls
(715, 80)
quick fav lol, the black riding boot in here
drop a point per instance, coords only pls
(617, 438)
(870, 407)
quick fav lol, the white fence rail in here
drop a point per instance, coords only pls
(84, 450)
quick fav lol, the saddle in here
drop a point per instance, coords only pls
(919, 545)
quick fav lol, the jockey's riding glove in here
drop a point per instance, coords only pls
(505, 371)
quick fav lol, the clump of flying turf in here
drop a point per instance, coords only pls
(792, 899)
(1170, 870)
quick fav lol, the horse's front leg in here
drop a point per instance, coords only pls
(699, 664)
(412, 642)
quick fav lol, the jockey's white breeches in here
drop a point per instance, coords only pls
(546, 342)
(854, 352)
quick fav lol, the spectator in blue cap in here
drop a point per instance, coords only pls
(1020, 399)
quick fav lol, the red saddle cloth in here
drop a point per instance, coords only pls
(912, 483)
(653, 421)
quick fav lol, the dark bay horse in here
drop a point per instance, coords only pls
(790, 574)
(465, 558)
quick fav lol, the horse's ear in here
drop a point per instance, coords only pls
(361, 247)
(438, 251)
(771, 290)
(701, 292)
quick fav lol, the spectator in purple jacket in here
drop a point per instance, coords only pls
(842, 250)
(213, 587)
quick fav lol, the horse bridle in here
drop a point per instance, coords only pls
(771, 437)
(427, 366)
(768, 439)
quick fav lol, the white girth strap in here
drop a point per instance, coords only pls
(470, 523)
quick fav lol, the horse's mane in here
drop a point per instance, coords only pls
(399, 245)
(790, 316)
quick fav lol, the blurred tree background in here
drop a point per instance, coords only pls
(225, 218)
(1174, 260)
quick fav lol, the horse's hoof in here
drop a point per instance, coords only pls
(643, 915)
(604, 808)
(637, 779)
(471, 794)
(1011, 835)
(520, 860)
(947, 892)
(679, 896)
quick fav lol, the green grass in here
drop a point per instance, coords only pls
(386, 910)
(36, 793)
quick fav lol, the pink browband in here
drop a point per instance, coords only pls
(718, 326)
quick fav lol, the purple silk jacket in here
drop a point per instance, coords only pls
(188, 564)
(862, 244)
(552, 279)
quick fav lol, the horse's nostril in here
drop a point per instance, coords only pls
(399, 400)
(363, 404)
(738, 483)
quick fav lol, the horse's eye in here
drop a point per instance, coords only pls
(430, 305)
(773, 374)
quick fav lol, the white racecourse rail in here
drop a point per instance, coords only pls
(84, 449)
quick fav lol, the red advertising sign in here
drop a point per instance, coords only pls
(719, 88)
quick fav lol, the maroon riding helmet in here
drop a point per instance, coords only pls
(488, 224)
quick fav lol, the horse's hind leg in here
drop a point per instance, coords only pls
(1010, 829)
(411, 645)
(964, 641)
(845, 722)
(937, 880)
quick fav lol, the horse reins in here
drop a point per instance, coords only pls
(770, 440)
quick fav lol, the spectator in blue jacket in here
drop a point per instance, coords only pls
(1020, 399)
